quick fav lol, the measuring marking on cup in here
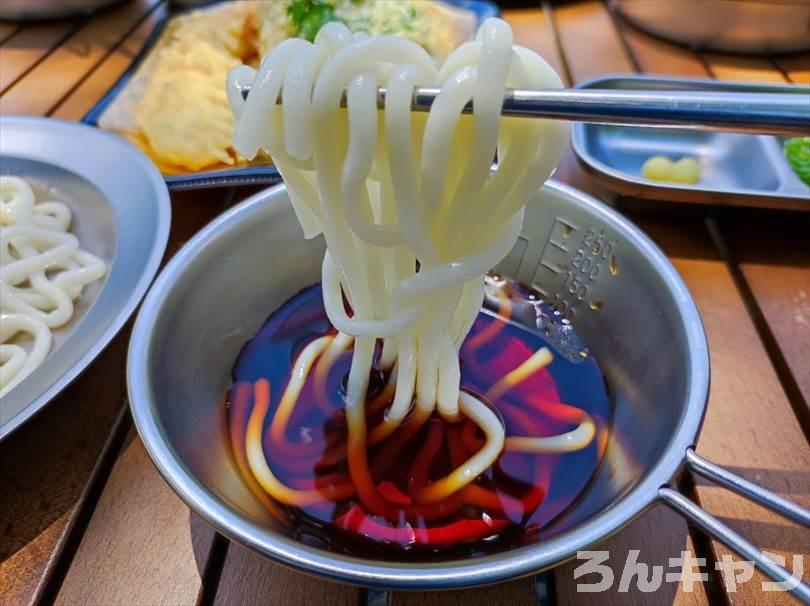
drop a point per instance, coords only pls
(569, 267)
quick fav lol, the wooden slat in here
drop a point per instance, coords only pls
(590, 43)
(7, 30)
(744, 445)
(658, 535)
(657, 57)
(88, 93)
(749, 425)
(249, 579)
(745, 69)
(521, 592)
(29, 46)
(138, 515)
(796, 68)
(532, 29)
(47, 83)
(724, 405)
(45, 470)
(776, 272)
(775, 263)
(777, 275)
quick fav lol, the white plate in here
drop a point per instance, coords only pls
(121, 212)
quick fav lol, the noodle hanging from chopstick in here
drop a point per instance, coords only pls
(413, 217)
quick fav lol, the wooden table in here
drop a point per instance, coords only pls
(85, 518)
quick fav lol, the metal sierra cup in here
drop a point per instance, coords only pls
(597, 269)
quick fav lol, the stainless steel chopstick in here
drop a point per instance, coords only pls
(762, 113)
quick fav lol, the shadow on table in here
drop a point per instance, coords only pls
(777, 535)
(47, 465)
(775, 238)
(210, 549)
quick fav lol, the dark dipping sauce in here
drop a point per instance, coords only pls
(530, 489)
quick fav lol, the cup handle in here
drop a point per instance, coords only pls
(732, 539)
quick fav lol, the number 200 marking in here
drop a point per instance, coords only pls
(585, 265)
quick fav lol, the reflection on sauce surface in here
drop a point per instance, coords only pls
(505, 506)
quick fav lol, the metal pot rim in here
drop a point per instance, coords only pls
(438, 575)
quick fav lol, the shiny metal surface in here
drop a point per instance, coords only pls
(740, 170)
(121, 212)
(741, 486)
(745, 26)
(785, 112)
(217, 291)
(220, 287)
(723, 533)
(35, 10)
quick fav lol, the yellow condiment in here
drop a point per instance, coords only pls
(660, 168)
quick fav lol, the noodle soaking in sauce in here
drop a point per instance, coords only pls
(521, 359)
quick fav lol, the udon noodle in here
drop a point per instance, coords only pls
(42, 272)
(413, 216)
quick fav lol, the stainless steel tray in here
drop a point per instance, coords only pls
(121, 212)
(737, 170)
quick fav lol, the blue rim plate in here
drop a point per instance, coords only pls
(244, 175)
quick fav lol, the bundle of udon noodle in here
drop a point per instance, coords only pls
(412, 215)
(43, 271)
